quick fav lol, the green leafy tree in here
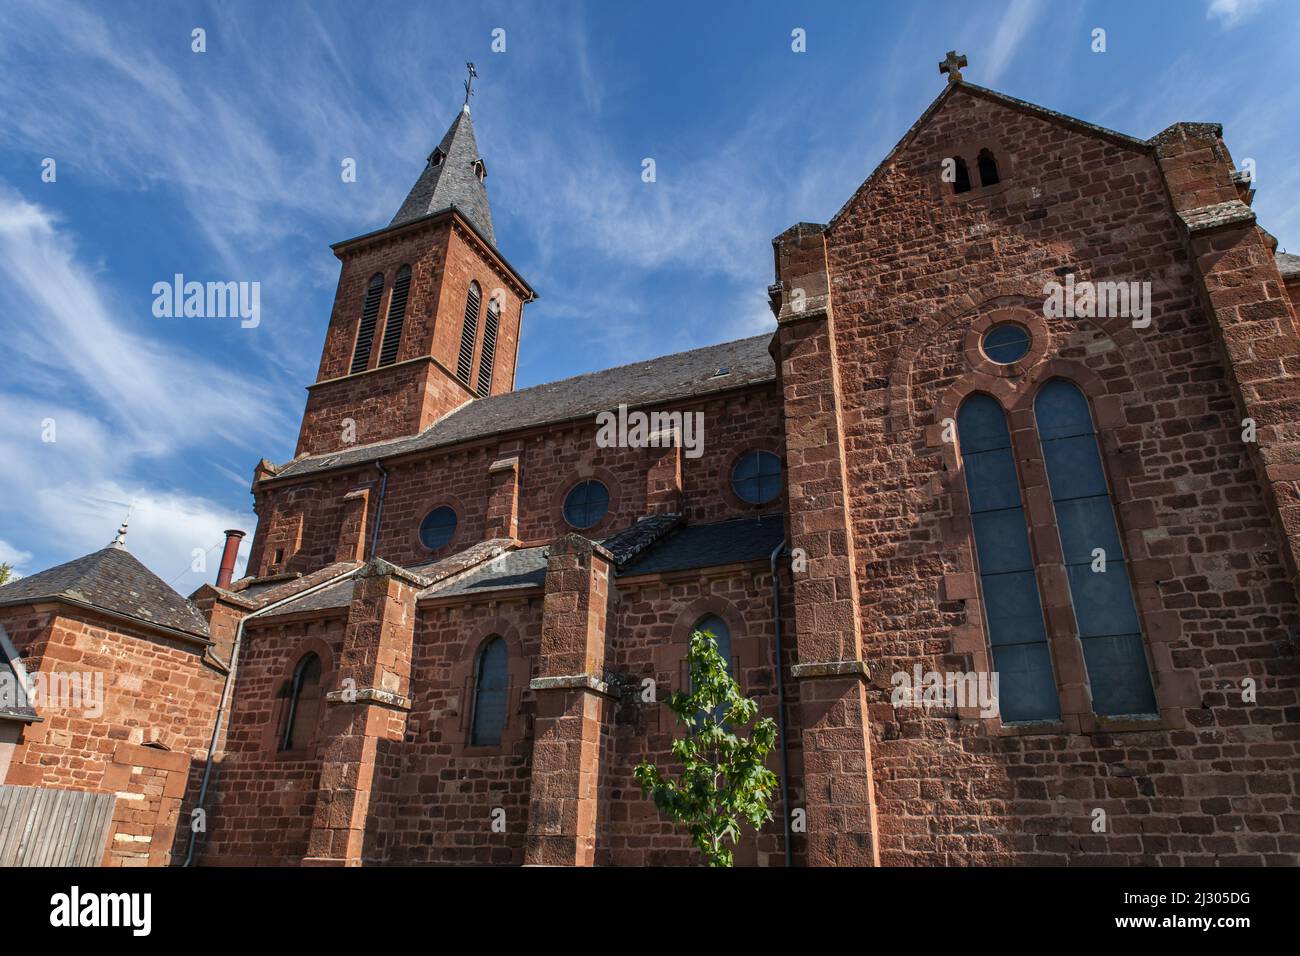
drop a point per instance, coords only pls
(6, 572)
(723, 780)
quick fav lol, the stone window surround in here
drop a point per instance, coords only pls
(431, 504)
(969, 150)
(271, 734)
(1016, 396)
(669, 658)
(778, 504)
(453, 729)
(587, 472)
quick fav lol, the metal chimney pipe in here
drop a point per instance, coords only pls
(228, 556)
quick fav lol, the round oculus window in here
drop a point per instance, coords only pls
(1006, 343)
(756, 477)
(438, 527)
(586, 503)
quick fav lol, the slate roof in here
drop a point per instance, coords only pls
(524, 568)
(708, 545)
(653, 545)
(113, 580)
(674, 377)
(452, 182)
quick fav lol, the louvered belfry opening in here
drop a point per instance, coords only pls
(396, 317)
(488, 356)
(366, 331)
(469, 332)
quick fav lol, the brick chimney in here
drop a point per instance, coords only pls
(227, 571)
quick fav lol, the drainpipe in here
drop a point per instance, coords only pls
(228, 688)
(780, 699)
(379, 511)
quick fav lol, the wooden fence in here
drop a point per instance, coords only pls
(40, 826)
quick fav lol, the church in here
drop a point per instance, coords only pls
(1026, 433)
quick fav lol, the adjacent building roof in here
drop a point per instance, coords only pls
(653, 545)
(683, 375)
(110, 579)
(1288, 265)
(452, 177)
(709, 545)
(525, 568)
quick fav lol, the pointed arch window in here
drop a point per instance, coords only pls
(468, 334)
(488, 355)
(366, 330)
(396, 316)
(491, 683)
(1013, 607)
(304, 704)
(1095, 566)
(988, 167)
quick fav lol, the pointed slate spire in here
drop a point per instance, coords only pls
(453, 176)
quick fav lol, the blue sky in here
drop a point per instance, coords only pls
(225, 166)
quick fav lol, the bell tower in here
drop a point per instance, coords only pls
(427, 314)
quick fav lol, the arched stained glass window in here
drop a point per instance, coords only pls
(1085, 517)
(491, 683)
(304, 704)
(722, 637)
(1013, 609)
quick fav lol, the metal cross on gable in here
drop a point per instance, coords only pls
(469, 81)
(952, 65)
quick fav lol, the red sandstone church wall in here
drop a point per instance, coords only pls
(261, 802)
(1210, 785)
(654, 618)
(453, 802)
(305, 518)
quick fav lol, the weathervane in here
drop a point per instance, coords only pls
(469, 82)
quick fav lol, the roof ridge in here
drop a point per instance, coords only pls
(616, 368)
(515, 395)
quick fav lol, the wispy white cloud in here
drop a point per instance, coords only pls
(1011, 33)
(1229, 13)
(14, 557)
(126, 401)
